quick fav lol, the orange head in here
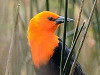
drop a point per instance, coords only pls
(41, 37)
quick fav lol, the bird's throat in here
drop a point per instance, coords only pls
(42, 47)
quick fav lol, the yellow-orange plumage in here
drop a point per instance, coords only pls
(41, 37)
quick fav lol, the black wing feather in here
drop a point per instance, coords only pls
(57, 55)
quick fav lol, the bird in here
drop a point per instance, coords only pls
(46, 46)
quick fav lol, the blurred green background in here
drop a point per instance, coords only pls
(15, 58)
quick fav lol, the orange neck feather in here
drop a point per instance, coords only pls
(42, 46)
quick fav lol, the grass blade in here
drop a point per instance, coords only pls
(78, 21)
(47, 5)
(64, 40)
(37, 5)
(83, 38)
(73, 66)
(66, 66)
(59, 13)
(74, 44)
(31, 8)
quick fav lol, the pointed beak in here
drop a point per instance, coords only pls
(62, 19)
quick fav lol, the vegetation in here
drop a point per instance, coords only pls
(15, 58)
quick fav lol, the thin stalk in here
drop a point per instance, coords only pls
(72, 68)
(76, 39)
(25, 16)
(22, 22)
(64, 40)
(97, 16)
(12, 42)
(59, 7)
(47, 5)
(78, 21)
(31, 8)
(66, 68)
(71, 25)
(59, 13)
(83, 38)
(37, 5)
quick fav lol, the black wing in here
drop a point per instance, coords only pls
(57, 55)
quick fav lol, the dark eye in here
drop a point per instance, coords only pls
(51, 18)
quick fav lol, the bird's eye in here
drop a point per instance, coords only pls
(51, 18)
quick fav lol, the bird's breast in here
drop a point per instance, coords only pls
(42, 48)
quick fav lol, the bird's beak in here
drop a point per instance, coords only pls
(62, 19)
